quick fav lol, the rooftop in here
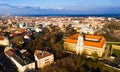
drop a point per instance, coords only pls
(41, 54)
(20, 56)
(1, 37)
(89, 40)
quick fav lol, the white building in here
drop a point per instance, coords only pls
(43, 58)
(76, 21)
(26, 37)
(23, 25)
(80, 44)
(38, 29)
(87, 29)
(19, 58)
(4, 41)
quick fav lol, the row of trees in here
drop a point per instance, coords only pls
(77, 63)
(108, 31)
(50, 39)
(114, 25)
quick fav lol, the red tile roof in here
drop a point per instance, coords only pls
(42, 54)
(1, 37)
(73, 39)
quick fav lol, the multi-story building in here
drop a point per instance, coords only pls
(88, 29)
(83, 43)
(4, 41)
(115, 50)
(20, 59)
(43, 58)
(23, 25)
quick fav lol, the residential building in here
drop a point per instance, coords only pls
(4, 41)
(43, 58)
(86, 28)
(20, 58)
(83, 43)
(115, 50)
(23, 25)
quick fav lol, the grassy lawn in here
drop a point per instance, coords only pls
(116, 53)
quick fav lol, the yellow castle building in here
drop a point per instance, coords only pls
(89, 44)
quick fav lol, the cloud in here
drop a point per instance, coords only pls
(2, 3)
(17, 7)
(59, 8)
(26, 7)
(6, 5)
(113, 0)
(21, 9)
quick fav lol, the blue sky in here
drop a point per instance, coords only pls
(59, 6)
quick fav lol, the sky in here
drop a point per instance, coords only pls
(59, 6)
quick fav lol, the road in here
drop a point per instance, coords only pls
(107, 51)
(6, 65)
(112, 64)
(113, 42)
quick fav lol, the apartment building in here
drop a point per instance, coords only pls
(43, 58)
(20, 58)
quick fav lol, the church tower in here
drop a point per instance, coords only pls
(80, 44)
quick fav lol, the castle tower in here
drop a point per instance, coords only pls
(80, 44)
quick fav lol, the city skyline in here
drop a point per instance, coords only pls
(59, 7)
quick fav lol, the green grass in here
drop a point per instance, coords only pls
(116, 53)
